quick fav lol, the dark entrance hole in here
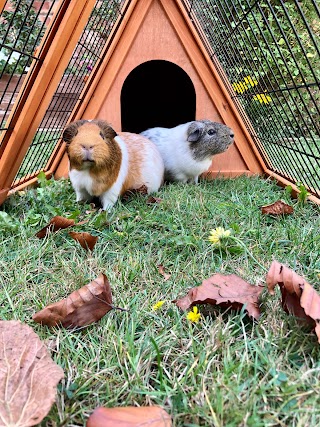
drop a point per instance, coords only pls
(157, 93)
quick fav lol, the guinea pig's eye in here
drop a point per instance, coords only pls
(101, 134)
(211, 132)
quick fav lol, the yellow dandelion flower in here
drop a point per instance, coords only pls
(218, 234)
(158, 305)
(262, 98)
(249, 81)
(193, 316)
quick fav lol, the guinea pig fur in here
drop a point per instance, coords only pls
(187, 150)
(106, 164)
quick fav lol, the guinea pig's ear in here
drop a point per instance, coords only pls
(106, 130)
(71, 131)
(194, 132)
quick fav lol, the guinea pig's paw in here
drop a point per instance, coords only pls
(108, 201)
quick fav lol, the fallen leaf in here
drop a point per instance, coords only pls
(142, 190)
(277, 208)
(130, 193)
(28, 376)
(86, 240)
(298, 296)
(227, 291)
(163, 273)
(56, 223)
(152, 200)
(84, 306)
(130, 416)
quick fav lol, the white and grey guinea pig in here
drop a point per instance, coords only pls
(187, 150)
(105, 164)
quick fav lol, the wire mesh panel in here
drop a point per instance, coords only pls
(22, 26)
(269, 51)
(85, 58)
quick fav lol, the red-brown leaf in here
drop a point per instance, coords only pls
(163, 273)
(298, 296)
(277, 208)
(130, 416)
(227, 291)
(86, 240)
(84, 306)
(56, 223)
(28, 376)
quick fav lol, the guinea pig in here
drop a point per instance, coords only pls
(105, 164)
(187, 150)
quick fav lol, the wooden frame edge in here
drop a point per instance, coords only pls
(283, 182)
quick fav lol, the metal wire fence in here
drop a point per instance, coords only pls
(85, 57)
(22, 27)
(269, 52)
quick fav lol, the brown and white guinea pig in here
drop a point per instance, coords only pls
(187, 150)
(105, 164)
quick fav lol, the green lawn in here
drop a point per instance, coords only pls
(226, 370)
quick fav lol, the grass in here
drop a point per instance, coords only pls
(226, 370)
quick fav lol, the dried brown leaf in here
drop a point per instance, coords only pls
(130, 416)
(227, 291)
(298, 296)
(86, 240)
(163, 273)
(56, 223)
(28, 376)
(153, 200)
(277, 208)
(130, 193)
(84, 306)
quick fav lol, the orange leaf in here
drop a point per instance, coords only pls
(84, 306)
(163, 273)
(56, 223)
(28, 376)
(298, 296)
(86, 240)
(130, 416)
(227, 291)
(277, 208)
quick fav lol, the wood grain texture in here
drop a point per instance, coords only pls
(54, 63)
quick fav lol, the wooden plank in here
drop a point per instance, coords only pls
(30, 183)
(48, 78)
(2, 3)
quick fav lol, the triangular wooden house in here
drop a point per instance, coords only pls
(157, 73)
